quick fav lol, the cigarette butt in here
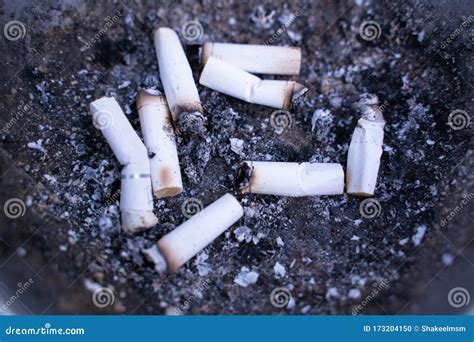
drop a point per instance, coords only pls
(177, 247)
(365, 150)
(259, 59)
(291, 179)
(178, 83)
(136, 202)
(158, 134)
(230, 80)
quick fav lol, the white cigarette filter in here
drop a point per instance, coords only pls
(177, 247)
(178, 83)
(157, 129)
(136, 201)
(230, 80)
(365, 150)
(259, 59)
(291, 179)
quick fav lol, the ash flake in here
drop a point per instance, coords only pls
(246, 277)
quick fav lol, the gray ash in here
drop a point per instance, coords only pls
(60, 165)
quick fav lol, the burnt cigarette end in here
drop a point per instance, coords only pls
(191, 123)
(244, 177)
(293, 91)
(206, 52)
(154, 255)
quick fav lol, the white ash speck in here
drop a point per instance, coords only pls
(21, 251)
(447, 259)
(237, 145)
(420, 232)
(403, 242)
(279, 242)
(354, 294)
(355, 238)
(321, 122)
(201, 264)
(332, 293)
(279, 270)
(246, 277)
(262, 17)
(51, 179)
(37, 145)
(243, 233)
(305, 309)
(291, 303)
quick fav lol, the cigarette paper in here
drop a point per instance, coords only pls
(136, 202)
(292, 179)
(259, 59)
(157, 129)
(230, 80)
(177, 247)
(365, 150)
(178, 83)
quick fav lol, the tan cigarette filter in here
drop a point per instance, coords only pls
(230, 80)
(178, 83)
(177, 247)
(259, 59)
(365, 150)
(293, 179)
(158, 133)
(136, 201)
